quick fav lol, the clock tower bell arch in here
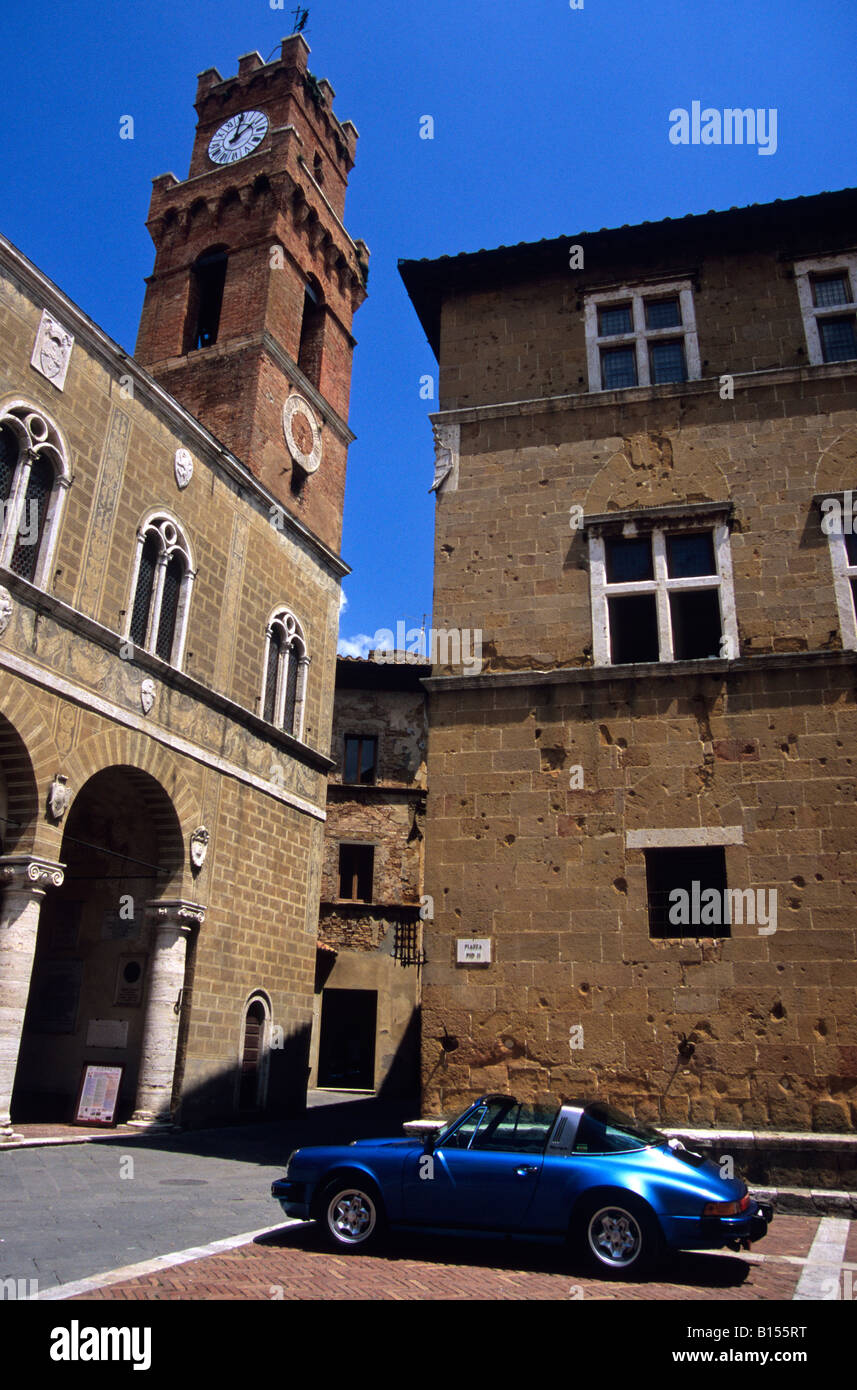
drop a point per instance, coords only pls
(248, 313)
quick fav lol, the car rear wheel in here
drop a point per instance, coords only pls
(352, 1215)
(621, 1236)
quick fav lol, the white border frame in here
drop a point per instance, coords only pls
(804, 272)
(641, 336)
(661, 586)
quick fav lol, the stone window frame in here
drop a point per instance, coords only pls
(39, 436)
(659, 522)
(806, 272)
(172, 539)
(843, 572)
(641, 336)
(729, 838)
(370, 846)
(283, 618)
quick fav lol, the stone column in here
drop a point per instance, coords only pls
(24, 878)
(172, 922)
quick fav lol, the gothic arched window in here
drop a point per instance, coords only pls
(286, 664)
(161, 586)
(34, 480)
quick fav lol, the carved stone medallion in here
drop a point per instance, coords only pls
(199, 846)
(183, 467)
(147, 694)
(59, 796)
(303, 436)
(5, 609)
(52, 352)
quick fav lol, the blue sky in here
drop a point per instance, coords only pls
(548, 121)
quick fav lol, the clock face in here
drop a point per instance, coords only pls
(238, 136)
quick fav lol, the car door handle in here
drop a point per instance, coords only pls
(526, 1169)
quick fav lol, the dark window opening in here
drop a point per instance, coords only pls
(629, 559)
(292, 671)
(356, 863)
(318, 169)
(312, 335)
(615, 319)
(9, 450)
(274, 648)
(633, 628)
(689, 554)
(696, 625)
(851, 547)
(31, 526)
(663, 313)
(838, 339)
(832, 289)
(169, 608)
(686, 892)
(360, 759)
(667, 362)
(208, 277)
(618, 368)
(143, 595)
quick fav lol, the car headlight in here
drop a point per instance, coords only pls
(727, 1208)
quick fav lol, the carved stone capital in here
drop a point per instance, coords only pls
(23, 873)
(170, 913)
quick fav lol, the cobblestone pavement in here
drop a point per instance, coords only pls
(291, 1263)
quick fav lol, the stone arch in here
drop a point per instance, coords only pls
(229, 203)
(29, 759)
(650, 469)
(176, 811)
(251, 1085)
(836, 469)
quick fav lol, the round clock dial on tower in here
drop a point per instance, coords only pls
(237, 137)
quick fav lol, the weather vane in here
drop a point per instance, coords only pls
(300, 18)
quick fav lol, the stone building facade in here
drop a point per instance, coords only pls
(645, 801)
(366, 1024)
(168, 623)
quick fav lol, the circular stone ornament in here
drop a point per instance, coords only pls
(303, 436)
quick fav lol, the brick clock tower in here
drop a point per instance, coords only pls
(247, 317)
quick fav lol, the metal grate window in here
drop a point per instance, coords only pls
(838, 339)
(663, 313)
(169, 608)
(832, 290)
(406, 947)
(292, 670)
(618, 368)
(143, 596)
(8, 462)
(667, 362)
(32, 524)
(275, 646)
(616, 319)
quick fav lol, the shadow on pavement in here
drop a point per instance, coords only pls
(683, 1269)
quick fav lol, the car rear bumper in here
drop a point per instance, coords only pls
(714, 1232)
(292, 1197)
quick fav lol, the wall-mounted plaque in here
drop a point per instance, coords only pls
(130, 974)
(98, 1094)
(473, 950)
(107, 1032)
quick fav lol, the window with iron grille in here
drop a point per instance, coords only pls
(641, 336)
(161, 587)
(286, 664)
(406, 947)
(827, 286)
(679, 884)
(839, 525)
(34, 479)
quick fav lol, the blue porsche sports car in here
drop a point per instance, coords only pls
(619, 1191)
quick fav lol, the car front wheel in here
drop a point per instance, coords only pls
(621, 1236)
(352, 1215)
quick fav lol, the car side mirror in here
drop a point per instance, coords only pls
(429, 1143)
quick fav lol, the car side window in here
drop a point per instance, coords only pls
(518, 1129)
(462, 1136)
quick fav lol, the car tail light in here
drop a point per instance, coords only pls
(727, 1208)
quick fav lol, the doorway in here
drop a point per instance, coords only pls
(346, 1052)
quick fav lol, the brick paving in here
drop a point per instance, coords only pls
(293, 1264)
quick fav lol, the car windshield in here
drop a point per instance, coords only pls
(500, 1122)
(603, 1130)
